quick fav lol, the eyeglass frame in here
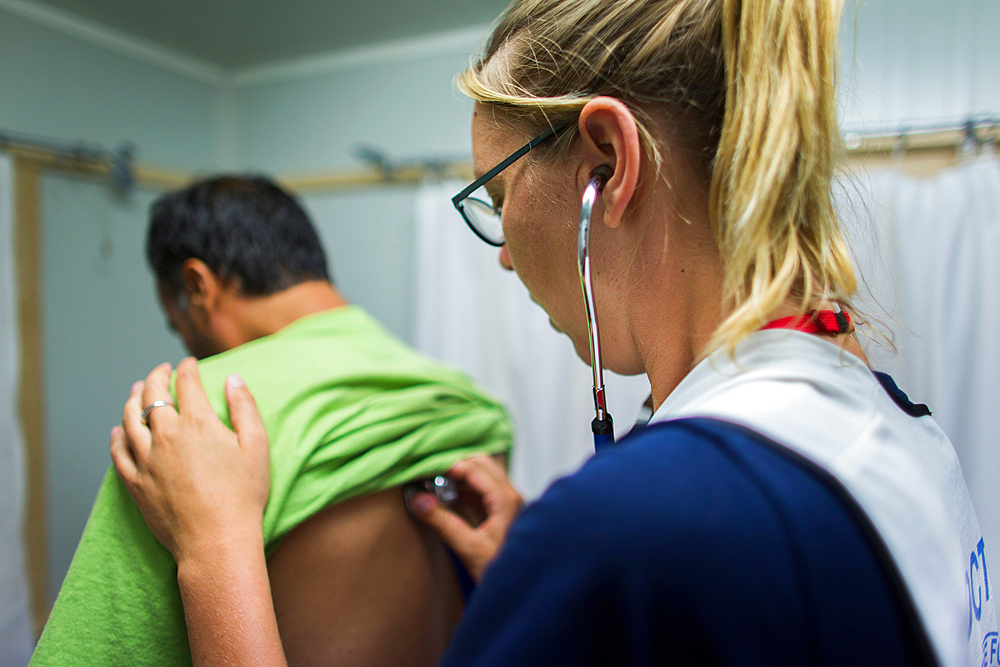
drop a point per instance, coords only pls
(492, 173)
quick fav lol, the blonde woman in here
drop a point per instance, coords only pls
(786, 505)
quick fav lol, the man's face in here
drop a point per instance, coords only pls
(198, 339)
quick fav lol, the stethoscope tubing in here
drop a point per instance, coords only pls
(602, 426)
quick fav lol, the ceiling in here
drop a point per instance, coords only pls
(237, 34)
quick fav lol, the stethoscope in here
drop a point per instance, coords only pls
(603, 425)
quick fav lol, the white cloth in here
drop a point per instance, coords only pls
(15, 623)
(807, 394)
(474, 315)
(931, 262)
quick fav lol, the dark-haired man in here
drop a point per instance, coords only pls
(235, 259)
(351, 413)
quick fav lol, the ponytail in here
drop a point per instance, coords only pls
(771, 203)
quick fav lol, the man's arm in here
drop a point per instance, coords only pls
(362, 583)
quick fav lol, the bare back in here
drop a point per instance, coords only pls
(361, 583)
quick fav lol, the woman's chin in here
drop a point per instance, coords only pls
(582, 348)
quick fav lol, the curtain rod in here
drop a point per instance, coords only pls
(119, 163)
(972, 123)
(972, 131)
(118, 167)
(380, 172)
(928, 136)
(122, 172)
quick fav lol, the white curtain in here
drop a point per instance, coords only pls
(472, 314)
(15, 625)
(931, 251)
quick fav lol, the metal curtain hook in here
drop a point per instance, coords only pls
(901, 144)
(972, 143)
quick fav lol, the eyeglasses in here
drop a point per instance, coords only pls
(475, 203)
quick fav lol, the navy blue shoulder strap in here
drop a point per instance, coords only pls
(901, 399)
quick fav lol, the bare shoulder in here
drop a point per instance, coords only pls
(362, 583)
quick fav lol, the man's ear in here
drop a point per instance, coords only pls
(610, 139)
(202, 287)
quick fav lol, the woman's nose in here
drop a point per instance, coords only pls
(505, 258)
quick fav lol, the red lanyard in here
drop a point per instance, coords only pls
(830, 322)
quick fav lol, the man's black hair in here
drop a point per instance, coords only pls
(245, 228)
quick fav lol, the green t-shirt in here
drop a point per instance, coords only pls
(349, 410)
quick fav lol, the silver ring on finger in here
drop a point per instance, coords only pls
(152, 406)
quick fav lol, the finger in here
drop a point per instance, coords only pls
(134, 396)
(191, 396)
(480, 479)
(478, 465)
(243, 412)
(486, 477)
(157, 388)
(453, 531)
(121, 455)
(135, 430)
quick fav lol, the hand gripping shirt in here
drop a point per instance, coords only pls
(349, 410)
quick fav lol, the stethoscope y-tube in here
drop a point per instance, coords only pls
(602, 426)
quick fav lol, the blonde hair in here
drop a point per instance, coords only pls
(748, 90)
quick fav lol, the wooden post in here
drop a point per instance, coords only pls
(31, 407)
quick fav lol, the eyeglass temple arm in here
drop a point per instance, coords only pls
(485, 178)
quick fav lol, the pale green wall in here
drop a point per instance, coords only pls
(406, 108)
(102, 327)
(59, 86)
(369, 236)
(103, 331)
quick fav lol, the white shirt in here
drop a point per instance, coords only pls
(805, 393)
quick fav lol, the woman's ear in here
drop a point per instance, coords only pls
(610, 139)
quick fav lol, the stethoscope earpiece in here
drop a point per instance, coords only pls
(602, 175)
